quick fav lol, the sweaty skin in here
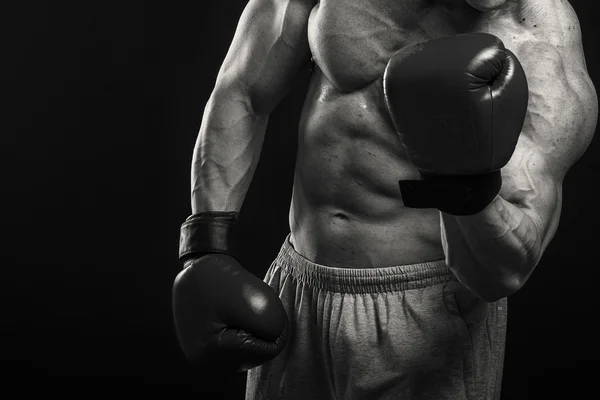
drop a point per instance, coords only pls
(346, 208)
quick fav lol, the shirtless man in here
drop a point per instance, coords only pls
(371, 297)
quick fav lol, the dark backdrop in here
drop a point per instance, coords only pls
(102, 104)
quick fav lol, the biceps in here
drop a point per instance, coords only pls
(269, 46)
(587, 109)
(563, 107)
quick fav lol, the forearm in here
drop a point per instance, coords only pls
(226, 153)
(494, 251)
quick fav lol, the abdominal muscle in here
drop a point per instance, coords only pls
(346, 208)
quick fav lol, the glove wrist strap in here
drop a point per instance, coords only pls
(207, 232)
(452, 194)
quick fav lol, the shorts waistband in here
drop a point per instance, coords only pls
(361, 280)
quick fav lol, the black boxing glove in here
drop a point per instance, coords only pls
(458, 104)
(225, 317)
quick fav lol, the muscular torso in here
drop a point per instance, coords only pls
(346, 206)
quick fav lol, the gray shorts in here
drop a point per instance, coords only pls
(406, 332)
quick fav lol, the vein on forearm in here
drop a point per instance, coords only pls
(226, 154)
(502, 238)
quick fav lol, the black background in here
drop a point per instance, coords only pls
(102, 104)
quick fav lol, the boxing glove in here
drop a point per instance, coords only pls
(225, 317)
(458, 105)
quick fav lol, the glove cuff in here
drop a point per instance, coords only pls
(452, 194)
(205, 233)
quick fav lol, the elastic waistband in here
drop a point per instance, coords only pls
(361, 280)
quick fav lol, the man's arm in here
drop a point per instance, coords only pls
(268, 49)
(495, 251)
(226, 318)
